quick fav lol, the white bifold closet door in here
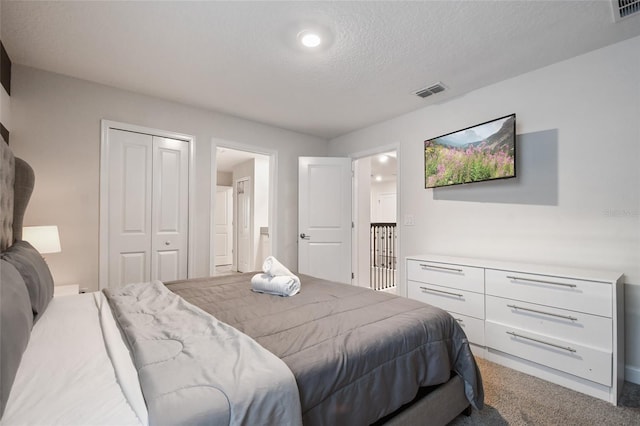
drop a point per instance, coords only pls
(148, 208)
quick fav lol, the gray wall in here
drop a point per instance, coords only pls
(56, 128)
(224, 179)
(576, 201)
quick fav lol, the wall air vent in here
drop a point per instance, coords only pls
(624, 8)
(432, 90)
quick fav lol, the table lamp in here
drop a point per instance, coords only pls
(45, 239)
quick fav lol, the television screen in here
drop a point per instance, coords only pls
(486, 151)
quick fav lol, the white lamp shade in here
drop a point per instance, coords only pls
(45, 239)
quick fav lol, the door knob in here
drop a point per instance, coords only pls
(305, 236)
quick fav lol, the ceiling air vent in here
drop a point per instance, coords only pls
(432, 90)
(624, 8)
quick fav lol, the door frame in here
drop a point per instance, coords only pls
(273, 192)
(105, 126)
(401, 287)
(236, 218)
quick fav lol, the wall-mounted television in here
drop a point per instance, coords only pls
(478, 153)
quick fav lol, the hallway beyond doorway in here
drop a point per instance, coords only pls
(240, 237)
(375, 213)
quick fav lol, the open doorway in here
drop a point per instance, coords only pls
(241, 208)
(375, 248)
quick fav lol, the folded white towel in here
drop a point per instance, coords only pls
(274, 268)
(280, 285)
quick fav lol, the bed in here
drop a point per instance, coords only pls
(211, 351)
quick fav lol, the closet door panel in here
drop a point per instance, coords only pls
(170, 209)
(133, 268)
(129, 207)
(168, 265)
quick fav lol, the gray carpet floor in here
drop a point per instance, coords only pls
(514, 398)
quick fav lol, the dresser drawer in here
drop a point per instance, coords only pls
(582, 361)
(565, 293)
(585, 329)
(473, 327)
(445, 274)
(450, 299)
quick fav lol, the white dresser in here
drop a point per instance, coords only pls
(563, 325)
(458, 289)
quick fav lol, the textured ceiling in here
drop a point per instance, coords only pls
(241, 58)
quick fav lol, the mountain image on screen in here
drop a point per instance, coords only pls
(479, 153)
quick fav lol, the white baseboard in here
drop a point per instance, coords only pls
(632, 374)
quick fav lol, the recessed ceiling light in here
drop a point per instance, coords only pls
(383, 158)
(378, 178)
(309, 39)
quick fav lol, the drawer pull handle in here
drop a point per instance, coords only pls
(565, 348)
(540, 281)
(442, 291)
(444, 268)
(544, 313)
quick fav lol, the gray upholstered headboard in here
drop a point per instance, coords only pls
(25, 279)
(7, 178)
(22, 189)
(16, 185)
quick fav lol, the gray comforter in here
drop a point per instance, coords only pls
(196, 370)
(357, 355)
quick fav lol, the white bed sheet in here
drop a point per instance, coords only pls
(76, 370)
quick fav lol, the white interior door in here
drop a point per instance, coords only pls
(362, 221)
(130, 177)
(224, 225)
(148, 208)
(243, 224)
(170, 208)
(324, 218)
(386, 208)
